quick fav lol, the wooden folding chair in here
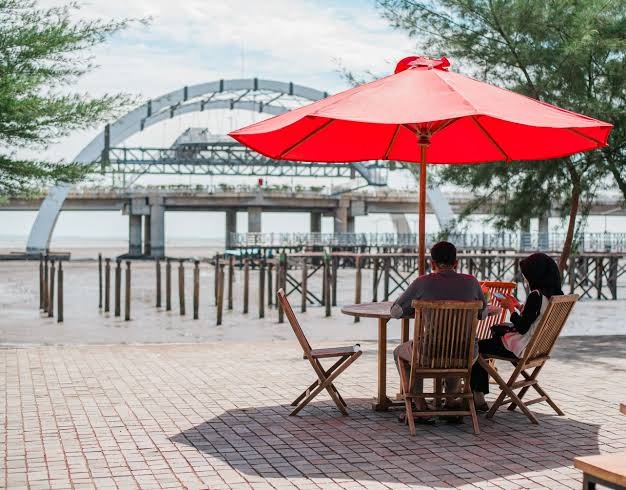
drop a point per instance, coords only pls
(443, 346)
(535, 357)
(326, 377)
(483, 330)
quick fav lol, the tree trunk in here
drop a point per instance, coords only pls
(573, 211)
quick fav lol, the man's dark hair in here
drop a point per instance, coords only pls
(443, 253)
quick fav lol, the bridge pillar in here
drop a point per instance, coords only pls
(231, 226)
(316, 222)
(254, 220)
(340, 220)
(134, 234)
(146, 236)
(350, 224)
(544, 232)
(157, 226)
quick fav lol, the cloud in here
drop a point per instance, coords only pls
(192, 41)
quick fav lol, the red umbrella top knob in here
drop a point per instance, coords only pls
(411, 62)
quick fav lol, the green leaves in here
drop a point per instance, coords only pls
(43, 51)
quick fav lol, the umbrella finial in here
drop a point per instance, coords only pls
(411, 62)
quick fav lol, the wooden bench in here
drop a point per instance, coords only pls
(608, 470)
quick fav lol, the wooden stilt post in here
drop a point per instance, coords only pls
(118, 286)
(327, 300)
(51, 291)
(181, 288)
(41, 287)
(220, 293)
(60, 293)
(305, 277)
(231, 276)
(107, 285)
(127, 293)
(217, 277)
(168, 285)
(335, 264)
(262, 289)
(357, 291)
(45, 284)
(281, 275)
(100, 280)
(246, 284)
(270, 289)
(386, 279)
(196, 289)
(158, 283)
(375, 280)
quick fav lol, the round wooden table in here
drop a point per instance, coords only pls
(382, 311)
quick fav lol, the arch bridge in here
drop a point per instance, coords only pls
(208, 158)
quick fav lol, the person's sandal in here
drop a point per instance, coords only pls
(484, 407)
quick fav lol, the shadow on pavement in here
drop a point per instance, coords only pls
(367, 446)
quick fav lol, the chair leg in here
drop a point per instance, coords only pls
(525, 389)
(408, 407)
(554, 406)
(326, 383)
(472, 409)
(409, 416)
(506, 390)
(327, 373)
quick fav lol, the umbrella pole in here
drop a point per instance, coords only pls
(421, 239)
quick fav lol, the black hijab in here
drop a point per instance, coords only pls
(542, 273)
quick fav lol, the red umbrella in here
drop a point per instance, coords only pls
(451, 118)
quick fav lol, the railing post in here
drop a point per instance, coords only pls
(60, 293)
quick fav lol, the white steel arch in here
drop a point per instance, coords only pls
(252, 94)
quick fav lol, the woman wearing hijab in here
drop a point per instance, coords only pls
(510, 340)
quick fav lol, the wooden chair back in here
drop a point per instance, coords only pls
(550, 327)
(444, 335)
(293, 321)
(483, 330)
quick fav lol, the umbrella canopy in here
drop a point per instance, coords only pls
(425, 113)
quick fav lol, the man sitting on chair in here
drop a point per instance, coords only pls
(443, 283)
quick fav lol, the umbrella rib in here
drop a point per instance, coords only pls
(490, 138)
(583, 135)
(393, 140)
(305, 138)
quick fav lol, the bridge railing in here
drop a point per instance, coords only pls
(513, 241)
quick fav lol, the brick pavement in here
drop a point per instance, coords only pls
(215, 416)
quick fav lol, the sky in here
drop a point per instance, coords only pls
(194, 41)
